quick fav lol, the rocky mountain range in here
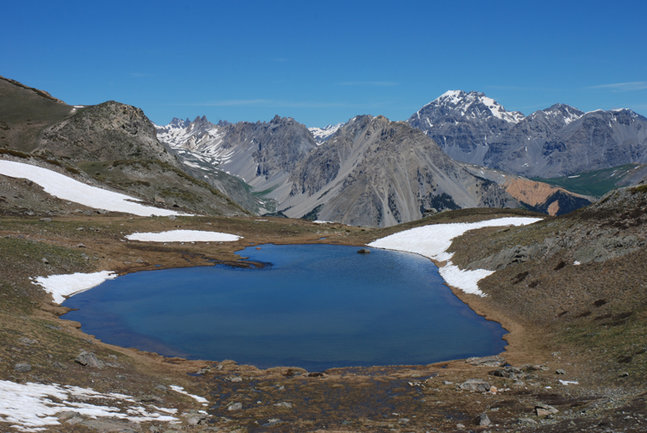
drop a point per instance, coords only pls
(368, 171)
(557, 141)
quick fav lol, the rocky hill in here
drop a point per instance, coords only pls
(557, 141)
(110, 144)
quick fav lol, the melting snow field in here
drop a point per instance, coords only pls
(62, 286)
(434, 240)
(183, 236)
(33, 406)
(66, 188)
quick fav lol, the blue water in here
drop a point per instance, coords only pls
(312, 306)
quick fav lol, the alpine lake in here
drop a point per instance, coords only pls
(310, 306)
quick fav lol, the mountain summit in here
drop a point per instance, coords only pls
(557, 141)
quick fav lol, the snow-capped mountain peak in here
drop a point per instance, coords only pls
(472, 104)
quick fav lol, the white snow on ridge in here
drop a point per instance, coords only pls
(459, 99)
(31, 407)
(66, 188)
(197, 398)
(434, 240)
(183, 236)
(322, 134)
(64, 285)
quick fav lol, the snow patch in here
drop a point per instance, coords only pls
(183, 236)
(31, 407)
(322, 134)
(65, 285)
(569, 382)
(433, 241)
(197, 398)
(66, 188)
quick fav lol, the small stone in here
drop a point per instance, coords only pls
(460, 426)
(64, 416)
(88, 359)
(482, 420)
(624, 374)
(235, 379)
(235, 406)
(475, 385)
(44, 260)
(486, 361)
(272, 421)
(26, 341)
(507, 372)
(150, 398)
(284, 404)
(560, 371)
(195, 418)
(526, 421)
(22, 367)
(363, 251)
(545, 410)
(46, 220)
(81, 245)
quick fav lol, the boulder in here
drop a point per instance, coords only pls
(545, 410)
(88, 359)
(483, 420)
(475, 385)
(22, 367)
(487, 361)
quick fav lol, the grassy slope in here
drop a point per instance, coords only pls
(594, 183)
(597, 310)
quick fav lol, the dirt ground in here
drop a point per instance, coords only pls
(520, 390)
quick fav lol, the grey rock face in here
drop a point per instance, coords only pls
(556, 141)
(376, 172)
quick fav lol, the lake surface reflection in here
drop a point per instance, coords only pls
(311, 306)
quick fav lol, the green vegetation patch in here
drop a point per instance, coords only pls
(595, 183)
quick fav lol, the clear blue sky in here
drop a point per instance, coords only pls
(324, 62)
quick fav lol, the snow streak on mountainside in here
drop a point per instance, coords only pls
(322, 134)
(556, 141)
